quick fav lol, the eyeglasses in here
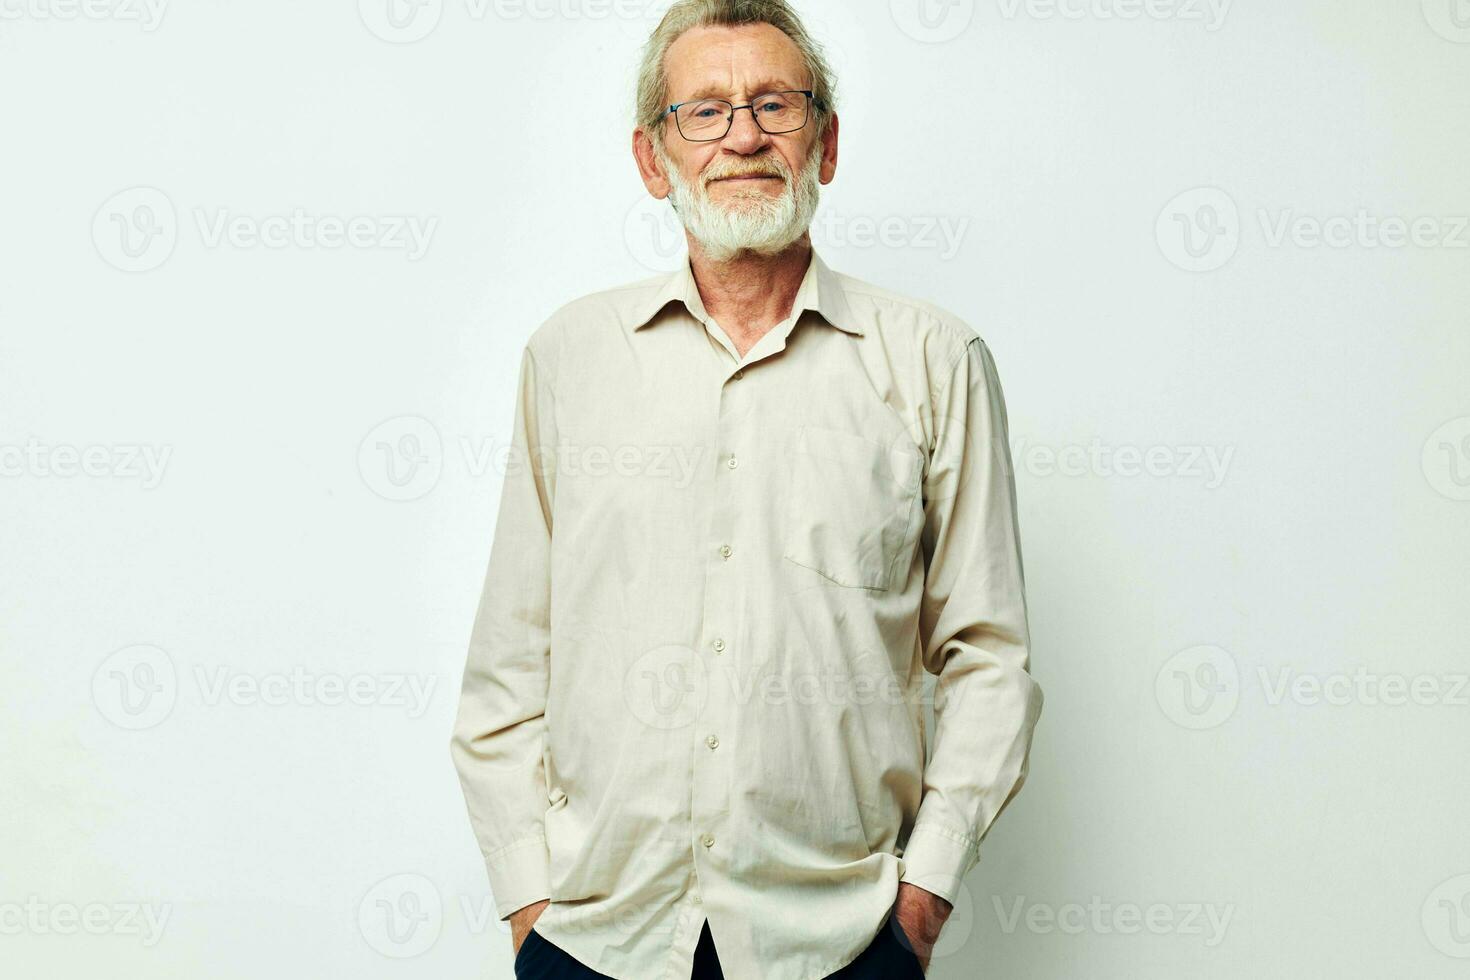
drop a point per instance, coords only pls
(704, 120)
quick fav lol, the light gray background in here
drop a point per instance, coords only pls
(229, 464)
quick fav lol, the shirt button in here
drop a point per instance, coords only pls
(695, 898)
(726, 551)
(712, 742)
(731, 461)
(738, 375)
(719, 646)
(708, 840)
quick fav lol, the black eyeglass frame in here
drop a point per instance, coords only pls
(811, 100)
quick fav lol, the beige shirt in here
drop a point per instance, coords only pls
(695, 680)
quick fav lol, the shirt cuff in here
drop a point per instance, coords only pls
(937, 861)
(519, 875)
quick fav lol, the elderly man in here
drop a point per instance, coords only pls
(748, 505)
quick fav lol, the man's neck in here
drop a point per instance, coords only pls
(750, 294)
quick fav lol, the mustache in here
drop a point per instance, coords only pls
(744, 171)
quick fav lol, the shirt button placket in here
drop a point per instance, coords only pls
(722, 595)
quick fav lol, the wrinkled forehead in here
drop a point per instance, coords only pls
(733, 63)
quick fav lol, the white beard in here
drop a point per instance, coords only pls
(751, 221)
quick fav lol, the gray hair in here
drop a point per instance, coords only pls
(653, 79)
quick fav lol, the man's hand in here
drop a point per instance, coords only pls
(921, 914)
(521, 922)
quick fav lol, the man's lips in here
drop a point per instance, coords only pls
(747, 177)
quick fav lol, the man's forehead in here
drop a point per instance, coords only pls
(709, 61)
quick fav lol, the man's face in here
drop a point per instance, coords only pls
(751, 190)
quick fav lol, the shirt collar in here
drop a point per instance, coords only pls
(820, 290)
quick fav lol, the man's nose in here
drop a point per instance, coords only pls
(745, 135)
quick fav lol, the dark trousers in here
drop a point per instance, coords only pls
(888, 957)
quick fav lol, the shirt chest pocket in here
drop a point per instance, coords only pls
(853, 511)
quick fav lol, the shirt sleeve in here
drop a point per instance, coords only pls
(499, 731)
(973, 629)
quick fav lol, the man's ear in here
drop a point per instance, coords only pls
(829, 153)
(649, 167)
